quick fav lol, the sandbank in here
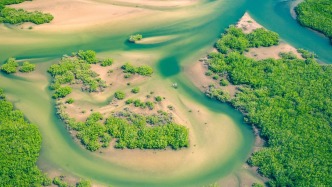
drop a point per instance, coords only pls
(72, 15)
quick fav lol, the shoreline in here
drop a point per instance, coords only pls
(196, 73)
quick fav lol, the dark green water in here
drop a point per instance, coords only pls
(195, 38)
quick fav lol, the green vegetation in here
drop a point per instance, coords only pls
(84, 183)
(10, 66)
(132, 132)
(208, 73)
(223, 82)
(14, 16)
(317, 15)
(306, 54)
(135, 38)
(107, 62)
(77, 70)
(88, 56)
(119, 95)
(143, 70)
(27, 67)
(20, 144)
(158, 98)
(235, 40)
(262, 37)
(62, 92)
(141, 104)
(257, 185)
(94, 133)
(60, 182)
(290, 101)
(70, 101)
(218, 94)
(10, 2)
(135, 90)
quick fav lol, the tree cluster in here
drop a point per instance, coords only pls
(141, 104)
(290, 101)
(77, 70)
(235, 40)
(317, 15)
(11, 65)
(20, 144)
(16, 16)
(143, 70)
(134, 133)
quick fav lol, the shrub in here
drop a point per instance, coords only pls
(135, 38)
(10, 66)
(223, 82)
(262, 37)
(14, 16)
(27, 67)
(158, 99)
(129, 101)
(84, 183)
(89, 56)
(144, 70)
(62, 92)
(106, 62)
(119, 95)
(70, 101)
(135, 90)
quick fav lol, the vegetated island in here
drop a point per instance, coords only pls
(20, 143)
(288, 98)
(11, 66)
(17, 16)
(135, 38)
(317, 15)
(134, 122)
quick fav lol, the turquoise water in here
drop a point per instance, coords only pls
(195, 38)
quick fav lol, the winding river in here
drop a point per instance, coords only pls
(193, 38)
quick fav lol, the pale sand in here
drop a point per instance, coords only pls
(247, 24)
(196, 74)
(206, 131)
(72, 15)
(153, 3)
(155, 40)
(271, 52)
(79, 13)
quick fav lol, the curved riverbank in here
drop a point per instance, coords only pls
(225, 128)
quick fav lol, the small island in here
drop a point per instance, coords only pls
(134, 122)
(135, 38)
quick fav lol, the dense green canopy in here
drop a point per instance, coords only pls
(316, 14)
(19, 148)
(290, 101)
(16, 16)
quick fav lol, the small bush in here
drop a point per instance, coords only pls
(135, 38)
(70, 101)
(135, 90)
(107, 62)
(62, 92)
(119, 95)
(10, 66)
(158, 99)
(27, 67)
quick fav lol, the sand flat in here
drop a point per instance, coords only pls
(72, 15)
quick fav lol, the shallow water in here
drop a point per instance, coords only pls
(194, 37)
